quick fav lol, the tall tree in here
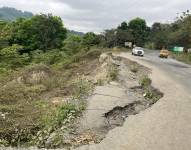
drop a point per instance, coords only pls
(90, 39)
(123, 26)
(40, 32)
(139, 30)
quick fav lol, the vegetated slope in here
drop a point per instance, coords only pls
(42, 81)
(39, 98)
(11, 14)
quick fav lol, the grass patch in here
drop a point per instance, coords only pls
(29, 120)
(150, 93)
(184, 57)
(26, 94)
(145, 81)
(64, 115)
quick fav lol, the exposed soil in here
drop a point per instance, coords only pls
(129, 80)
(116, 117)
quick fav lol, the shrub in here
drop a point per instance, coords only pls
(64, 112)
(49, 58)
(39, 32)
(11, 57)
(72, 44)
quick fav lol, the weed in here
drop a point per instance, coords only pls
(81, 87)
(150, 93)
(112, 72)
(145, 81)
(67, 111)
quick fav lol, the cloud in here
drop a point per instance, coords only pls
(97, 15)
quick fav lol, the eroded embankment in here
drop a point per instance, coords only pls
(112, 103)
(123, 89)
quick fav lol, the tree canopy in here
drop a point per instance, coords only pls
(40, 32)
(139, 30)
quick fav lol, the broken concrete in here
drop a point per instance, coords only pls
(164, 126)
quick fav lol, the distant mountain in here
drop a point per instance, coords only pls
(11, 14)
(72, 32)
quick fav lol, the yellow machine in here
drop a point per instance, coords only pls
(164, 53)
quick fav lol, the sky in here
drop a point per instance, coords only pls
(98, 15)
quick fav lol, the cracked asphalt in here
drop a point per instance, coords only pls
(167, 124)
(164, 126)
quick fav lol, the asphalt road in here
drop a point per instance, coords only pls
(178, 71)
(167, 124)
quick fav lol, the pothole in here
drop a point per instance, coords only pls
(116, 117)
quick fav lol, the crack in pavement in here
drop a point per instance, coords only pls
(106, 95)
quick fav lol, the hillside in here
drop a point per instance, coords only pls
(72, 32)
(11, 14)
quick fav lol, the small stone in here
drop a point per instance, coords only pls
(145, 94)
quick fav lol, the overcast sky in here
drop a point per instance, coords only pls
(97, 15)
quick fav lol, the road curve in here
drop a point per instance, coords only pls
(178, 71)
(164, 126)
(167, 124)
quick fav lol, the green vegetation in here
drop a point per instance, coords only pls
(63, 115)
(40, 32)
(43, 67)
(150, 93)
(184, 57)
(41, 78)
(158, 36)
(145, 81)
(136, 31)
(27, 97)
(174, 34)
(10, 57)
